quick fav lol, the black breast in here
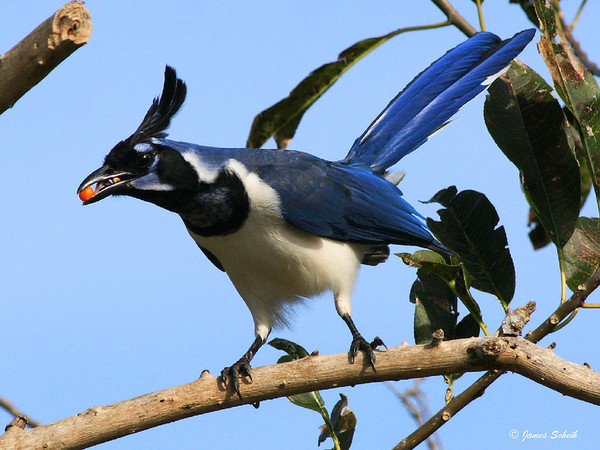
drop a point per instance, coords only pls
(219, 208)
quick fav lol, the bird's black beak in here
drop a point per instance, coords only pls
(103, 182)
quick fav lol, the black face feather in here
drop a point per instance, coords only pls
(163, 109)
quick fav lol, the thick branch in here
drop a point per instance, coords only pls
(100, 424)
(28, 62)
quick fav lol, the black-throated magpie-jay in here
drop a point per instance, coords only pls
(286, 225)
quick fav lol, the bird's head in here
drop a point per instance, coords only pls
(142, 166)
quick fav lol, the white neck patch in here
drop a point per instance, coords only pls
(262, 196)
(205, 173)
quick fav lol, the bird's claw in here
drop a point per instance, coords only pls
(360, 344)
(230, 376)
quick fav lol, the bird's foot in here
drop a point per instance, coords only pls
(360, 344)
(230, 376)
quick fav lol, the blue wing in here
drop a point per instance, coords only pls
(341, 202)
(433, 97)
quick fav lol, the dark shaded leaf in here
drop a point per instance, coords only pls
(537, 234)
(528, 125)
(422, 327)
(467, 327)
(582, 252)
(435, 307)
(284, 135)
(580, 154)
(575, 85)
(467, 227)
(281, 120)
(343, 421)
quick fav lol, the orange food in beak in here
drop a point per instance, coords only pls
(86, 194)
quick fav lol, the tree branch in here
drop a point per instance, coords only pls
(478, 388)
(28, 62)
(454, 17)
(446, 413)
(101, 424)
(415, 401)
(12, 409)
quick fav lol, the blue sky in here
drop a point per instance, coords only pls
(111, 301)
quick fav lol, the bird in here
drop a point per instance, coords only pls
(285, 225)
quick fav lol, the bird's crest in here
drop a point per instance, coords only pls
(163, 109)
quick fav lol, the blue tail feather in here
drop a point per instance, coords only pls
(433, 97)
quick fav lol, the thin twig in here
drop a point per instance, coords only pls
(415, 401)
(447, 412)
(12, 409)
(480, 14)
(578, 14)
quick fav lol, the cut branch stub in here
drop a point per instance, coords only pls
(28, 62)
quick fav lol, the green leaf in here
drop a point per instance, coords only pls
(343, 421)
(295, 351)
(281, 120)
(467, 227)
(435, 307)
(422, 327)
(582, 252)
(453, 276)
(309, 400)
(432, 262)
(575, 85)
(528, 125)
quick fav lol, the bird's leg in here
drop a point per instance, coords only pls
(359, 343)
(230, 375)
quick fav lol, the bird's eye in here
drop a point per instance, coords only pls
(144, 159)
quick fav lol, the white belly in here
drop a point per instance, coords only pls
(273, 265)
